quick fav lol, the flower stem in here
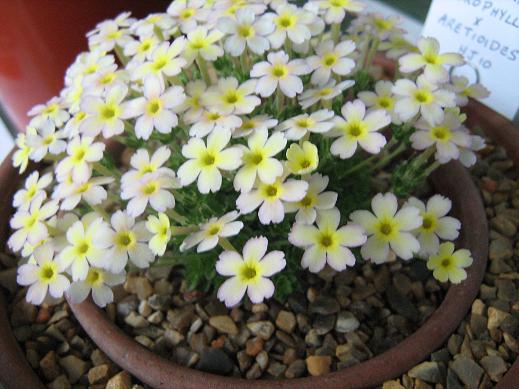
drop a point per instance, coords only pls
(336, 32)
(176, 216)
(202, 65)
(388, 158)
(432, 167)
(120, 55)
(226, 245)
(104, 171)
(178, 230)
(279, 99)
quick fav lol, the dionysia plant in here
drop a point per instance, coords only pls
(251, 133)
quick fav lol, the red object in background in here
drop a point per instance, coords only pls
(39, 39)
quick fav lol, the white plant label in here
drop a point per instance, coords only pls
(486, 33)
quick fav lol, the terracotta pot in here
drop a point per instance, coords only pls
(41, 38)
(15, 371)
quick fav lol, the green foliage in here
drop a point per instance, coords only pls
(406, 177)
(363, 82)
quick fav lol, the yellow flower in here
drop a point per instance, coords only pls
(448, 264)
(302, 160)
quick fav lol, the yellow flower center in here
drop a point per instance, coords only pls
(329, 59)
(198, 43)
(214, 229)
(125, 239)
(160, 62)
(279, 71)
(304, 122)
(208, 159)
(308, 201)
(326, 240)
(431, 58)
(325, 92)
(94, 277)
(48, 139)
(423, 96)
(48, 272)
(356, 129)
(84, 187)
(232, 97)
(429, 222)
(114, 34)
(150, 188)
(79, 154)
(186, 13)
(50, 109)
(445, 263)
(145, 46)
(107, 78)
(385, 102)
(387, 229)
(248, 125)
(212, 116)
(245, 31)
(31, 191)
(148, 168)
(83, 247)
(441, 133)
(109, 111)
(383, 24)
(249, 271)
(271, 191)
(154, 106)
(286, 20)
(339, 3)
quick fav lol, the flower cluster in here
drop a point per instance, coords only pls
(244, 124)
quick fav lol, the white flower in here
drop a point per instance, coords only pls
(211, 231)
(72, 126)
(381, 98)
(291, 22)
(43, 274)
(271, 198)
(159, 226)
(54, 110)
(87, 240)
(396, 46)
(358, 128)
(435, 224)
(447, 136)
(259, 161)
(155, 109)
(244, 30)
(21, 155)
(318, 122)
(424, 97)
(330, 59)
(460, 85)
(335, 10)
(142, 49)
(249, 272)
(377, 25)
(142, 164)
(325, 92)
(327, 243)
(153, 22)
(205, 162)
(99, 282)
(34, 187)
(388, 228)
(30, 223)
(104, 114)
(201, 42)
(81, 151)
(430, 60)
(253, 124)
(110, 33)
(212, 120)
(71, 192)
(45, 140)
(192, 106)
(467, 156)
(448, 265)
(105, 78)
(315, 200)
(228, 98)
(279, 72)
(302, 159)
(165, 61)
(151, 188)
(130, 241)
(188, 13)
